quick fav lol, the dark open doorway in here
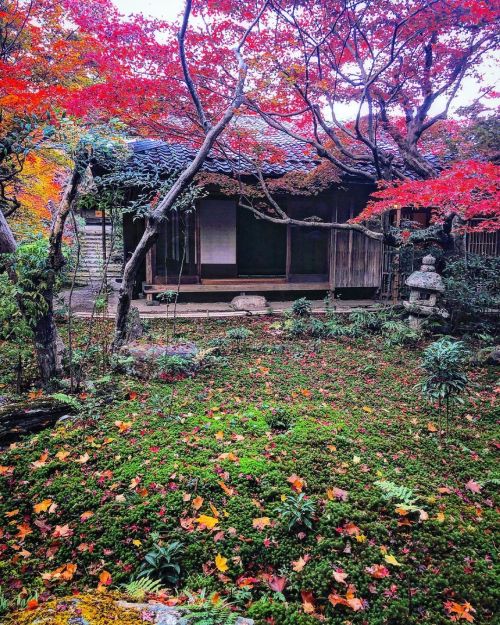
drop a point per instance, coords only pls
(260, 246)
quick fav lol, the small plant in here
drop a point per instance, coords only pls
(297, 511)
(4, 603)
(402, 495)
(122, 364)
(162, 563)
(398, 333)
(137, 589)
(175, 365)
(239, 335)
(302, 307)
(279, 419)
(297, 327)
(211, 611)
(445, 380)
(167, 297)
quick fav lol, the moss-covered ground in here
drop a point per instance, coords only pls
(78, 503)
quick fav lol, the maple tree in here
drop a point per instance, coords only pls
(396, 66)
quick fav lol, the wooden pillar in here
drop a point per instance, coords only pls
(149, 272)
(288, 260)
(396, 279)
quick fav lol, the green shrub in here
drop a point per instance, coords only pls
(239, 335)
(297, 511)
(279, 419)
(472, 288)
(444, 380)
(162, 563)
(301, 307)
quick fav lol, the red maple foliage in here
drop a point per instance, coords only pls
(468, 189)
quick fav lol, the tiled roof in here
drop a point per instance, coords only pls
(177, 156)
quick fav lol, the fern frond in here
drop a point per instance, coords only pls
(206, 614)
(401, 494)
(139, 588)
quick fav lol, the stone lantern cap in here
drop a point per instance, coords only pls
(427, 279)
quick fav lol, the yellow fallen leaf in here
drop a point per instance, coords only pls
(432, 427)
(219, 435)
(221, 563)
(62, 455)
(440, 516)
(261, 522)
(208, 521)
(392, 560)
(43, 506)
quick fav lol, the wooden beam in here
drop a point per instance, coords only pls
(243, 286)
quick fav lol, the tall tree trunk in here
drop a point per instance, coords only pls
(154, 222)
(48, 345)
(46, 339)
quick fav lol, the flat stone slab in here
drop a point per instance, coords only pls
(165, 615)
(249, 302)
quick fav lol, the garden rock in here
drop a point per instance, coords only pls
(249, 302)
(145, 355)
(185, 350)
(165, 615)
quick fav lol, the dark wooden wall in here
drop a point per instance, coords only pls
(356, 260)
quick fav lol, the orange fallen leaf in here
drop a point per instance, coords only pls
(297, 483)
(123, 426)
(24, 530)
(41, 462)
(43, 506)
(261, 522)
(197, 502)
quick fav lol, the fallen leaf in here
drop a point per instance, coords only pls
(307, 602)
(43, 506)
(62, 531)
(261, 522)
(221, 563)
(277, 584)
(298, 565)
(473, 486)
(392, 560)
(123, 426)
(197, 502)
(208, 521)
(297, 483)
(340, 576)
(41, 462)
(378, 571)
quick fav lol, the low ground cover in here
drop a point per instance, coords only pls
(303, 479)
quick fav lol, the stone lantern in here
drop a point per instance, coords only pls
(425, 287)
